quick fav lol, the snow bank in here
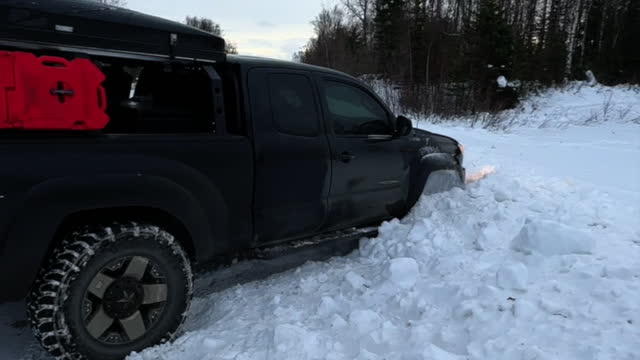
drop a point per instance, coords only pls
(578, 104)
(575, 104)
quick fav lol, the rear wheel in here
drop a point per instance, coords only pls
(110, 291)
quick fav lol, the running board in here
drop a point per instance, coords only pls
(338, 243)
(258, 264)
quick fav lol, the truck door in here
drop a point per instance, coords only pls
(292, 158)
(369, 169)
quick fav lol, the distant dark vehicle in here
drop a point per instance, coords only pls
(205, 156)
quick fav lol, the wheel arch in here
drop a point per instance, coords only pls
(138, 214)
(51, 208)
(423, 167)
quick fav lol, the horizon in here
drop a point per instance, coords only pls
(276, 29)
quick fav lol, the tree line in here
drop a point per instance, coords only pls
(201, 23)
(447, 54)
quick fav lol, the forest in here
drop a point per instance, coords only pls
(444, 56)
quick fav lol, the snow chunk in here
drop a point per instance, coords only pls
(502, 82)
(436, 353)
(211, 343)
(591, 78)
(404, 272)
(356, 281)
(365, 321)
(327, 306)
(552, 238)
(513, 276)
(337, 322)
(295, 341)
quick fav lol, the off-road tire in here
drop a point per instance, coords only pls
(55, 303)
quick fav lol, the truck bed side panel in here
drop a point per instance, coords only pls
(204, 181)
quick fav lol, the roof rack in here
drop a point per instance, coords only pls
(101, 30)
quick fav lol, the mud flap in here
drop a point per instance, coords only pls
(443, 180)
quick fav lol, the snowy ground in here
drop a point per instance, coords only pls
(575, 104)
(539, 258)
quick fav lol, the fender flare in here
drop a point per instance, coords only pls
(424, 167)
(46, 206)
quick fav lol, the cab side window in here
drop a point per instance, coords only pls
(354, 112)
(293, 104)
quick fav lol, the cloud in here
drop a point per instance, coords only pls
(258, 43)
(275, 28)
(280, 42)
(291, 46)
(266, 24)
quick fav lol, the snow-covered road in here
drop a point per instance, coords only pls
(539, 260)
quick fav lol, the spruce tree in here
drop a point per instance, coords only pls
(489, 49)
(391, 36)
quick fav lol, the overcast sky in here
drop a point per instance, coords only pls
(270, 28)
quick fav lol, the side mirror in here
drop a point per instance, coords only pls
(404, 126)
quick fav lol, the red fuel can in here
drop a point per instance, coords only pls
(50, 93)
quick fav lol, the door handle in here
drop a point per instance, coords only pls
(346, 157)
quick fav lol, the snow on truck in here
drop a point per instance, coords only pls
(134, 151)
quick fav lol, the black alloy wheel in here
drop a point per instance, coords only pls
(124, 300)
(109, 291)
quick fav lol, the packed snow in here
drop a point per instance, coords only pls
(502, 81)
(538, 258)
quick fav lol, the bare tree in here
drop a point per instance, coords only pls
(442, 60)
(362, 11)
(212, 27)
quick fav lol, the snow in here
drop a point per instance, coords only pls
(577, 104)
(551, 238)
(356, 281)
(502, 82)
(404, 272)
(513, 276)
(538, 258)
(591, 78)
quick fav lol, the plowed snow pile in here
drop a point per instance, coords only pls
(539, 258)
(578, 104)
(575, 104)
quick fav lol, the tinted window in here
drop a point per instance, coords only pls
(292, 101)
(155, 99)
(354, 112)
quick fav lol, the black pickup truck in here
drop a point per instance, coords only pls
(205, 156)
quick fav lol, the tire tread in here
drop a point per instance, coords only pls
(51, 288)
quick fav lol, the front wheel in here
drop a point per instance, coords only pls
(110, 291)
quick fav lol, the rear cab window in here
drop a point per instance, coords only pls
(147, 97)
(293, 105)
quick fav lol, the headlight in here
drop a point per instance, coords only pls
(461, 147)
